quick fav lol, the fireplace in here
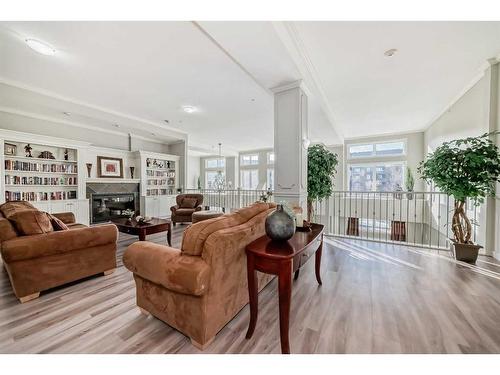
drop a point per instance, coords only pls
(109, 206)
(110, 200)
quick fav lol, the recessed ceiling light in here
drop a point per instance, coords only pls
(40, 47)
(166, 121)
(390, 52)
(116, 125)
(253, 99)
(189, 108)
(153, 134)
(67, 113)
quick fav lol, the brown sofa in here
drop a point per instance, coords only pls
(51, 258)
(201, 287)
(182, 212)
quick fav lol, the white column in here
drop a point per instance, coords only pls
(290, 132)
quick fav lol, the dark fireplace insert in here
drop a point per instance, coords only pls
(107, 206)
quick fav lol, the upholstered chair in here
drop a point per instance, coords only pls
(182, 212)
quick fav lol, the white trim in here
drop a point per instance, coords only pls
(104, 180)
(374, 155)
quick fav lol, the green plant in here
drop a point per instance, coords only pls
(409, 180)
(321, 167)
(464, 168)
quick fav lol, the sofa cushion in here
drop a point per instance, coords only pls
(184, 211)
(194, 237)
(10, 208)
(189, 203)
(57, 224)
(7, 230)
(30, 222)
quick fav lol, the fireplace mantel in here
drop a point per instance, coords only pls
(113, 180)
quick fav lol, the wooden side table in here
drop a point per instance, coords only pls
(281, 259)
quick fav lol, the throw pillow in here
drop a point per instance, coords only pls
(189, 203)
(57, 224)
(31, 222)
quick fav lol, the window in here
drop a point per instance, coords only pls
(249, 179)
(270, 179)
(252, 159)
(395, 148)
(270, 158)
(211, 178)
(376, 177)
(214, 163)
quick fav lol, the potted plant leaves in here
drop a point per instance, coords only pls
(466, 169)
(409, 183)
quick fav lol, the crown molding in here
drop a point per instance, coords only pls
(74, 101)
(289, 36)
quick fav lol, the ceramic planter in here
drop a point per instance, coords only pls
(466, 252)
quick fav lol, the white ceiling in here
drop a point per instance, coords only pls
(373, 94)
(139, 73)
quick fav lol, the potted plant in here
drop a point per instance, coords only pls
(409, 183)
(465, 169)
(321, 167)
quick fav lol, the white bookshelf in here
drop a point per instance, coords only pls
(159, 183)
(51, 184)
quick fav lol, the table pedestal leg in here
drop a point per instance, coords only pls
(317, 264)
(169, 237)
(285, 295)
(252, 294)
(142, 235)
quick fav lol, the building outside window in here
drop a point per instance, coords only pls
(249, 179)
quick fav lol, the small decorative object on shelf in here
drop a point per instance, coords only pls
(398, 195)
(168, 164)
(66, 156)
(10, 149)
(280, 225)
(132, 169)
(46, 155)
(28, 149)
(89, 169)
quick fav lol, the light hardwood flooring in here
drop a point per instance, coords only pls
(375, 298)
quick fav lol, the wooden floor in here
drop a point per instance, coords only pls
(375, 298)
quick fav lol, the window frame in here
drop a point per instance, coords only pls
(250, 155)
(268, 157)
(250, 170)
(218, 167)
(374, 152)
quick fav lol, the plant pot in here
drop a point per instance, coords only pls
(409, 196)
(466, 252)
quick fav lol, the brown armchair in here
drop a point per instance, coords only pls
(182, 212)
(46, 258)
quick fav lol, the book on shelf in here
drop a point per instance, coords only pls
(36, 180)
(19, 165)
(36, 196)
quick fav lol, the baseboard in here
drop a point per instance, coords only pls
(496, 255)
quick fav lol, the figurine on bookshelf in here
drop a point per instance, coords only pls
(46, 155)
(168, 164)
(148, 162)
(66, 156)
(28, 149)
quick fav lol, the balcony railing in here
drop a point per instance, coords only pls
(414, 218)
(228, 199)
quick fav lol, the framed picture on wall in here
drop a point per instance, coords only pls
(9, 149)
(109, 167)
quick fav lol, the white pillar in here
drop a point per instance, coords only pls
(290, 132)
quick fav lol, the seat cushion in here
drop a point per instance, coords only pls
(31, 222)
(76, 226)
(184, 211)
(188, 203)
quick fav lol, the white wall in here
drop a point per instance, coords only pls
(338, 180)
(193, 172)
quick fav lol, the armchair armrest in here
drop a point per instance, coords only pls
(168, 267)
(40, 245)
(66, 217)
(199, 208)
(174, 208)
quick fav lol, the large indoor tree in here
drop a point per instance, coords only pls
(464, 168)
(321, 168)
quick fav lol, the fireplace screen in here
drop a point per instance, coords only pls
(111, 206)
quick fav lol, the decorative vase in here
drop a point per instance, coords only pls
(89, 169)
(132, 172)
(279, 225)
